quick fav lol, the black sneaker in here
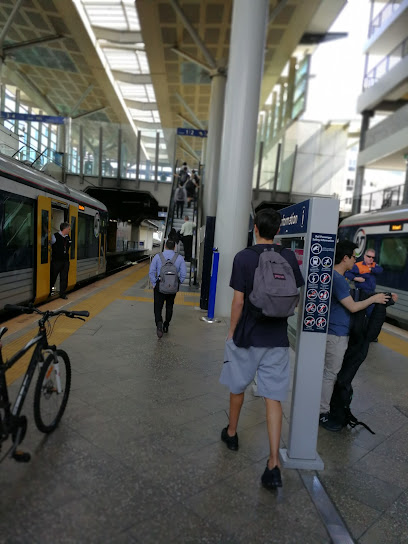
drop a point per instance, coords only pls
(64, 297)
(159, 330)
(328, 423)
(231, 441)
(271, 478)
(165, 327)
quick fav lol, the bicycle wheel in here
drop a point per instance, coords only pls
(49, 405)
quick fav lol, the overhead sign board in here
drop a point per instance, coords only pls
(53, 119)
(192, 132)
(294, 218)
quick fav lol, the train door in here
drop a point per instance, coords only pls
(73, 221)
(58, 216)
(43, 248)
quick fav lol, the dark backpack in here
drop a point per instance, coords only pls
(274, 292)
(183, 176)
(169, 279)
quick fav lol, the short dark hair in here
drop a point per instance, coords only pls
(268, 222)
(345, 248)
(170, 244)
(64, 226)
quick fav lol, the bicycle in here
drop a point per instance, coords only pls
(52, 387)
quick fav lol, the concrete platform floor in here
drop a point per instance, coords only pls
(137, 457)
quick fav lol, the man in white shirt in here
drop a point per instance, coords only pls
(186, 232)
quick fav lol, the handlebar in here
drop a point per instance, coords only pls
(47, 313)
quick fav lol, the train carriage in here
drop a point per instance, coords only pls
(385, 231)
(32, 207)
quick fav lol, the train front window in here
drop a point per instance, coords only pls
(393, 253)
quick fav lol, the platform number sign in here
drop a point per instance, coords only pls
(319, 279)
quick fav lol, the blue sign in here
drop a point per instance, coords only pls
(318, 282)
(294, 218)
(53, 119)
(192, 132)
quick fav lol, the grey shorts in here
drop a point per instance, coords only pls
(241, 364)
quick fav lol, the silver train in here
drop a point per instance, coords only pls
(385, 231)
(32, 207)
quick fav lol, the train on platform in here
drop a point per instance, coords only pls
(385, 231)
(32, 207)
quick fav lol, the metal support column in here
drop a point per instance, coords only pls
(100, 156)
(258, 173)
(248, 37)
(17, 111)
(405, 193)
(156, 162)
(2, 96)
(139, 139)
(81, 154)
(358, 186)
(119, 168)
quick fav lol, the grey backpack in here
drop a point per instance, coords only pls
(274, 292)
(169, 279)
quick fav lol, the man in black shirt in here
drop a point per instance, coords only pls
(61, 244)
(257, 345)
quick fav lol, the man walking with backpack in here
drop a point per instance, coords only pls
(265, 279)
(167, 271)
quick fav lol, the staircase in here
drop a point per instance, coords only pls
(177, 224)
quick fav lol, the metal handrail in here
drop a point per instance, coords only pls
(383, 15)
(384, 66)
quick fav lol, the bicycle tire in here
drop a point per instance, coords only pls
(46, 397)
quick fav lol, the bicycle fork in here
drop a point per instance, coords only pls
(55, 368)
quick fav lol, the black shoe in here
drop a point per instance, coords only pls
(64, 297)
(328, 423)
(159, 329)
(231, 441)
(165, 327)
(271, 478)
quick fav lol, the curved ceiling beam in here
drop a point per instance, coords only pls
(192, 59)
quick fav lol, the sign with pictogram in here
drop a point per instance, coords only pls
(319, 278)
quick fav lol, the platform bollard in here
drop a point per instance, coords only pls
(209, 318)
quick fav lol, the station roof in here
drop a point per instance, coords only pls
(135, 62)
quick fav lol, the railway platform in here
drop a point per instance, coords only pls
(137, 457)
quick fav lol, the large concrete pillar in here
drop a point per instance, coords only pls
(248, 35)
(213, 151)
(211, 179)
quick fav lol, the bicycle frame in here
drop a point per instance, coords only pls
(37, 358)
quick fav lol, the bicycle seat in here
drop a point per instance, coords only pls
(3, 330)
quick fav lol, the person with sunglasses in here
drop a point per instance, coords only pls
(341, 307)
(364, 273)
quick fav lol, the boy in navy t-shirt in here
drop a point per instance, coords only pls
(257, 346)
(341, 308)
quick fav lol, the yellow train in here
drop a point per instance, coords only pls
(32, 207)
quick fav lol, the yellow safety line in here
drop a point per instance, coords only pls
(94, 305)
(179, 300)
(394, 343)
